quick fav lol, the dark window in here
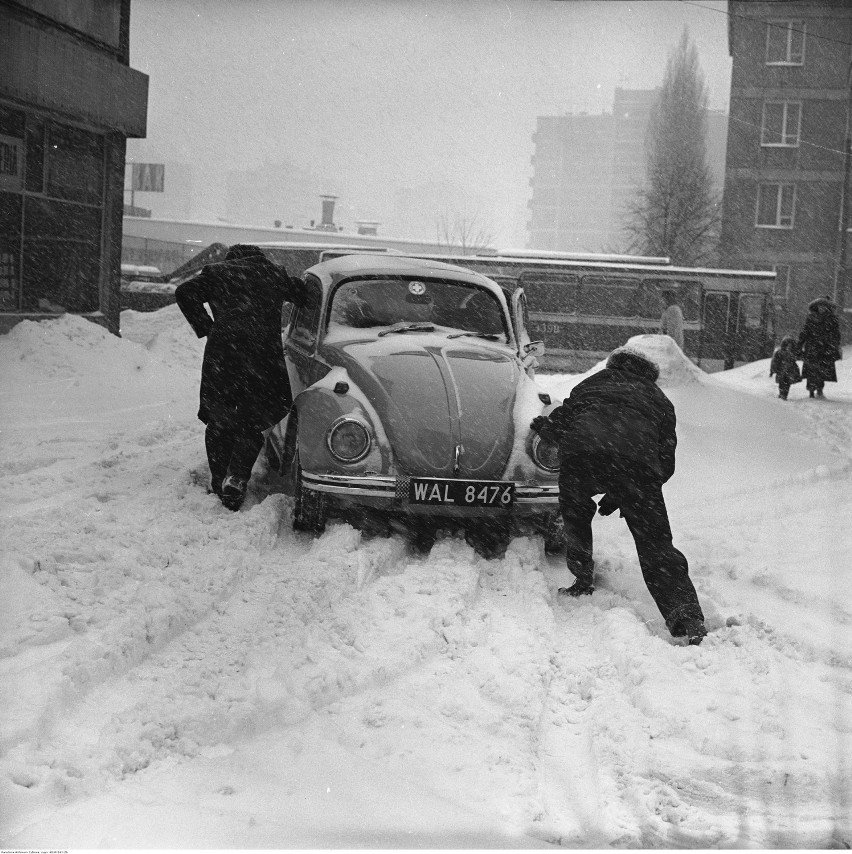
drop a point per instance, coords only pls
(10, 250)
(551, 292)
(11, 123)
(75, 165)
(775, 205)
(782, 281)
(62, 251)
(750, 313)
(605, 297)
(781, 123)
(35, 155)
(305, 318)
(785, 42)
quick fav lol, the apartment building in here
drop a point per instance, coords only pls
(587, 169)
(784, 173)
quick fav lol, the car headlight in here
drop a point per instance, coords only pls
(545, 454)
(348, 440)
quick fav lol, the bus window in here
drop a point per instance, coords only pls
(551, 293)
(650, 299)
(716, 310)
(687, 294)
(605, 297)
(750, 313)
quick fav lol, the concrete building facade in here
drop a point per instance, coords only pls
(586, 170)
(785, 166)
(68, 102)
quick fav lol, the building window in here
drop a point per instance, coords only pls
(775, 205)
(782, 281)
(785, 42)
(781, 123)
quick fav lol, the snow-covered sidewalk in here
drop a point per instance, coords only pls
(174, 675)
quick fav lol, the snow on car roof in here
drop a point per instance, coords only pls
(346, 265)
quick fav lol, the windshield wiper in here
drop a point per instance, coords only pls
(490, 336)
(409, 327)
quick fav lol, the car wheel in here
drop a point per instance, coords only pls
(309, 506)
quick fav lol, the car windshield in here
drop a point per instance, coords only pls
(376, 302)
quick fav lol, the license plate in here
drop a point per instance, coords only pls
(463, 493)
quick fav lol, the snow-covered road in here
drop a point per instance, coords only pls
(174, 675)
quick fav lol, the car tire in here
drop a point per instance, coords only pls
(308, 506)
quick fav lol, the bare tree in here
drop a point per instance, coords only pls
(677, 212)
(464, 231)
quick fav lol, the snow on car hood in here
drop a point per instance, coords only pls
(433, 395)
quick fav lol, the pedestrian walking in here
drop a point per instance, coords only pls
(671, 321)
(244, 384)
(819, 345)
(617, 437)
(784, 367)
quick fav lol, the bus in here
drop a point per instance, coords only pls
(584, 309)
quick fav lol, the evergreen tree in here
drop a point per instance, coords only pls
(677, 212)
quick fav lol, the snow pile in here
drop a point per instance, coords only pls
(173, 675)
(675, 368)
(70, 345)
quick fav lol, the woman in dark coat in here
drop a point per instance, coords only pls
(244, 384)
(819, 345)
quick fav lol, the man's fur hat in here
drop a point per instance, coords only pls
(633, 361)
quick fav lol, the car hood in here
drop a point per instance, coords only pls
(434, 395)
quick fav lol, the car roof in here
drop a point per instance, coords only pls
(396, 265)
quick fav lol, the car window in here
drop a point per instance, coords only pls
(376, 302)
(305, 318)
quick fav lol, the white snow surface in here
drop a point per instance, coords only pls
(173, 675)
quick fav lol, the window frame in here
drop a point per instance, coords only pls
(785, 136)
(779, 198)
(788, 275)
(790, 24)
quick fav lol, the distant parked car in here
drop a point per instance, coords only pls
(414, 387)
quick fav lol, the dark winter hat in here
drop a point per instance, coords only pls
(635, 362)
(822, 301)
(243, 251)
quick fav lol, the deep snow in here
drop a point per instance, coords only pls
(174, 675)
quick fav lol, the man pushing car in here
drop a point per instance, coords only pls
(244, 384)
(616, 435)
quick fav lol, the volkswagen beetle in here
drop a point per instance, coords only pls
(413, 390)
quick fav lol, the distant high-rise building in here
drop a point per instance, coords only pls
(784, 176)
(586, 170)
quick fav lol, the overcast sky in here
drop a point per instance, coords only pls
(375, 95)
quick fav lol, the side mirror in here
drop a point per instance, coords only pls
(534, 348)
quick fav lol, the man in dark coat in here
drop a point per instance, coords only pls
(819, 345)
(616, 434)
(244, 384)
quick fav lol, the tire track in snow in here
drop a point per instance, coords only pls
(305, 627)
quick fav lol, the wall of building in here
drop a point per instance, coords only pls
(811, 77)
(68, 100)
(587, 169)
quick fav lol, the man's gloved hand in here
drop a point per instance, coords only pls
(607, 505)
(539, 423)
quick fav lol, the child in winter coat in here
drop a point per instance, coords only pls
(784, 366)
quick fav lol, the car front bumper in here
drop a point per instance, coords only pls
(392, 493)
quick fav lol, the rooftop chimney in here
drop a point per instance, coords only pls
(328, 213)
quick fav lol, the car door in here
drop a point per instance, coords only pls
(300, 341)
(529, 352)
